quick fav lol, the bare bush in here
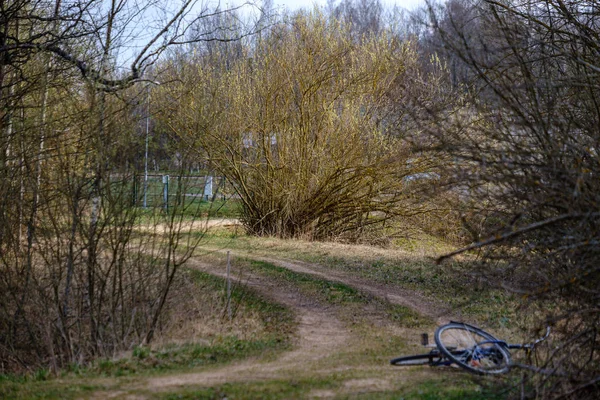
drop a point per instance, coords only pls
(523, 136)
(77, 280)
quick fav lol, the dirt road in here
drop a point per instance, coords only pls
(320, 334)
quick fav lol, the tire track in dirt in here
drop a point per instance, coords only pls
(319, 333)
(414, 300)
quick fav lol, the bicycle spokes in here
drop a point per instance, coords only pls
(472, 348)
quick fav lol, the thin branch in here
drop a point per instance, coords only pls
(517, 232)
(542, 371)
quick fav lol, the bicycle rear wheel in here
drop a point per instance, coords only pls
(420, 359)
(472, 348)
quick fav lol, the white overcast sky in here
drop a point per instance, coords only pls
(295, 4)
(142, 32)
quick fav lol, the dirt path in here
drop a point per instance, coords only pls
(319, 333)
(438, 312)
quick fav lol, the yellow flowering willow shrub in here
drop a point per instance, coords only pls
(300, 126)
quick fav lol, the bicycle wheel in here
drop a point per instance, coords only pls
(472, 348)
(420, 359)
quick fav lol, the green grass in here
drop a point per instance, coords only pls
(340, 294)
(329, 291)
(194, 207)
(271, 389)
(445, 386)
(455, 388)
(221, 350)
(46, 390)
(40, 385)
(452, 283)
(220, 208)
(278, 322)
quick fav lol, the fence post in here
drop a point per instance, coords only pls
(166, 191)
(208, 187)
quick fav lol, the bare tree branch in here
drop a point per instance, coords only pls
(503, 237)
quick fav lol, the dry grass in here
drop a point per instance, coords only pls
(198, 313)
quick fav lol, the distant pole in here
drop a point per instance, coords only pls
(166, 191)
(146, 156)
(208, 187)
(229, 286)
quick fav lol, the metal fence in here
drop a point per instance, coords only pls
(166, 190)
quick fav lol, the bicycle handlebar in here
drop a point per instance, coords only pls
(532, 344)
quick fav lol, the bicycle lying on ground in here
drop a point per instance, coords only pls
(469, 347)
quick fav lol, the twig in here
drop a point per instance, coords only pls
(516, 232)
(549, 372)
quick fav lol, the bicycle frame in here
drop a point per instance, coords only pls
(487, 349)
(515, 346)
